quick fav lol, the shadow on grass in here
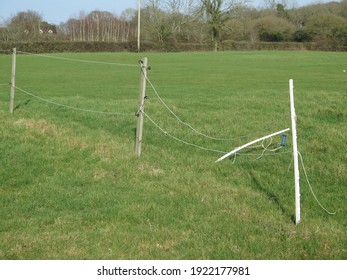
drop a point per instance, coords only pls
(271, 196)
(21, 104)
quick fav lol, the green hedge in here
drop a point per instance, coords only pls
(61, 46)
(57, 47)
(232, 45)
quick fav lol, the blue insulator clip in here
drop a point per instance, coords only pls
(284, 137)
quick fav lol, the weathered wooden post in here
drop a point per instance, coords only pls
(13, 79)
(142, 100)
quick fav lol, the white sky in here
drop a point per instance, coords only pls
(61, 10)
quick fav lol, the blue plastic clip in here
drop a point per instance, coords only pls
(284, 137)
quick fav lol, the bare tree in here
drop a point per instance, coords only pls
(155, 21)
(270, 4)
(217, 13)
(25, 25)
(99, 26)
(182, 12)
(165, 19)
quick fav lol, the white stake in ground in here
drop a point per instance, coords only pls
(295, 153)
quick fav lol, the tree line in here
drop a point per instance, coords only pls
(211, 22)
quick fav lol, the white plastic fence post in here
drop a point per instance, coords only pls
(295, 153)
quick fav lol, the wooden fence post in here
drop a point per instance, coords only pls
(13, 80)
(142, 100)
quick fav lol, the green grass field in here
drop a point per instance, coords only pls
(72, 188)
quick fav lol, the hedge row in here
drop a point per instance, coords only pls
(57, 47)
(232, 45)
(61, 46)
(308, 46)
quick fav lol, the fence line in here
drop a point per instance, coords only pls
(177, 139)
(265, 149)
(71, 107)
(80, 60)
(192, 128)
(153, 122)
(204, 148)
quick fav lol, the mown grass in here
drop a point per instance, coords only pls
(71, 187)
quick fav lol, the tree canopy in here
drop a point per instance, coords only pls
(209, 22)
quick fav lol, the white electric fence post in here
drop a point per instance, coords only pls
(142, 100)
(295, 153)
(13, 80)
